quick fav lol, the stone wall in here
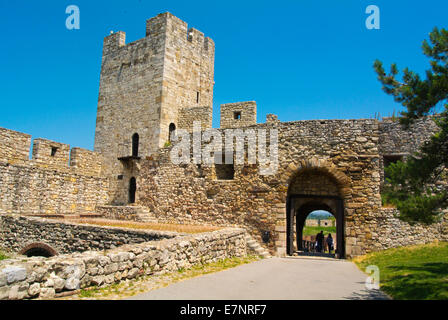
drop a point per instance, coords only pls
(188, 115)
(337, 158)
(42, 278)
(48, 183)
(396, 142)
(392, 232)
(238, 115)
(345, 151)
(19, 233)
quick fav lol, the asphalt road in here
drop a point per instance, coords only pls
(273, 279)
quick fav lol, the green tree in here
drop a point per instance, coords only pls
(411, 185)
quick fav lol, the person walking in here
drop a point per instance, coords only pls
(330, 243)
(320, 241)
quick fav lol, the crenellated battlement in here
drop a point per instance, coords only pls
(160, 30)
(15, 150)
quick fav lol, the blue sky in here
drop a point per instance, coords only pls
(298, 59)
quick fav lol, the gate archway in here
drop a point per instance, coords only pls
(313, 189)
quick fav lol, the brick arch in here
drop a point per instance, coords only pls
(321, 166)
(38, 246)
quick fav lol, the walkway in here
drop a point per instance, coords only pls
(274, 279)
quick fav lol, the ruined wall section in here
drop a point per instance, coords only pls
(63, 183)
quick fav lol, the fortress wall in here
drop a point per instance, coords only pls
(47, 184)
(395, 139)
(188, 115)
(393, 232)
(50, 153)
(396, 142)
(86, 161)
(14, 146)
(347, 150)
(192, 194)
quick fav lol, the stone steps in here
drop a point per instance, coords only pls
(144, 215)
(256, 248)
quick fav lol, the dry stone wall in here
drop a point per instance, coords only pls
(42, 278)
(19, 232)
(392, 232)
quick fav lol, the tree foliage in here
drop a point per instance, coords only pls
(412, 185)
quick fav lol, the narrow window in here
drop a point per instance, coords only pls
(135, 141)
(237, 115)
(132, 189)
(389, 159)
(172, 129)
(53, 151)
(197, 97)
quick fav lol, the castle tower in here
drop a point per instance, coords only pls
(145, 88)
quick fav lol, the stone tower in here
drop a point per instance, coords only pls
(147, 87)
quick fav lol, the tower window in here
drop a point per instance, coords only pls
(135, 141)
(237, 115)
(172, 129)
(53, 151)
(197, 97)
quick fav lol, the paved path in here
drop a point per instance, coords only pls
(273, 279)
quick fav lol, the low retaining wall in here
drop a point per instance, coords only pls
(18, 233)
(42, 278)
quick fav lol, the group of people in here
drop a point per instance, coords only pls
(320, 241)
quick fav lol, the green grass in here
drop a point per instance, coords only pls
(312, 231)
(3, 256)
(416, 272)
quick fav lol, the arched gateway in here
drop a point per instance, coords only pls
(312, 189)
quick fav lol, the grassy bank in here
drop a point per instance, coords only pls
(415, 272)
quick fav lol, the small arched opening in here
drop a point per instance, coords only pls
(132, 190)
(314, 218)
(172, 131)
(135, 142)
(38, 250)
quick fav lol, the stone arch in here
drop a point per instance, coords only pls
(319, 184)
(318, 165)
(38, 249)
